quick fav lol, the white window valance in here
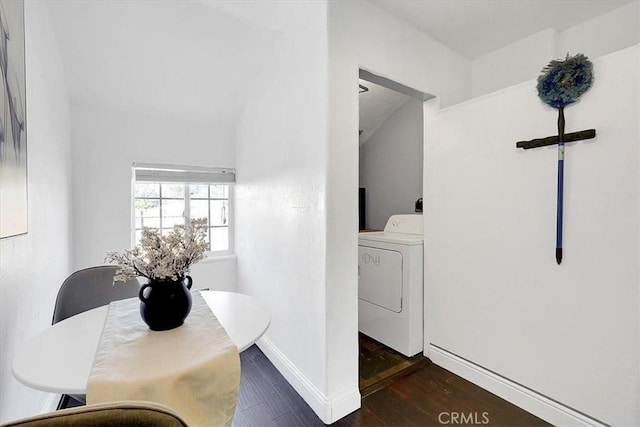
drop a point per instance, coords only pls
(186, 174)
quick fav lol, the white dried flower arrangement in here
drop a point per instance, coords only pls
(159, 257)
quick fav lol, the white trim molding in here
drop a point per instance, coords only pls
(541, 406)
(328, 408)
(50, 403)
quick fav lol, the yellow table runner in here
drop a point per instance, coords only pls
(194, 369)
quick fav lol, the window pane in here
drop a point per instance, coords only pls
(199, 209)
(199, 191)
(173, 191)
(219, 238)
(152, 222)
(166, 231)
(220, 191)
(163, 204)
(147, 213)
(206, 238)
(172, 213)
(219, 212)
(147, 190)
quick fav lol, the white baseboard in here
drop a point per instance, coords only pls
(328, 408)
(50, 403)
(527, 399)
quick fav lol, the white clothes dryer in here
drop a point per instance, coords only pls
(390, 284)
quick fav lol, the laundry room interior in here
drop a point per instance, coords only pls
(390, 244)
(391, 147)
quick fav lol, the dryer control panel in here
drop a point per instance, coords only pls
(405, 223)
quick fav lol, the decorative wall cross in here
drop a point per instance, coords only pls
(561, 83)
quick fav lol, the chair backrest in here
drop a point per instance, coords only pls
(90, 288)
(125, 413)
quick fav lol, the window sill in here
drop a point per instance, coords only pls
(217, 258)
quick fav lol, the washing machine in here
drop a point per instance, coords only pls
(390, 284)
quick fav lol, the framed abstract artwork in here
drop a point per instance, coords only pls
(13, 136)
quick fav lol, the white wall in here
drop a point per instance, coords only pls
(389, 47)
(106, 143)
(602, 35)
(363, 36)
(33, 266)
(524, 59)
(391, 165)
(509, 65)
(280, 199)
(494, 294)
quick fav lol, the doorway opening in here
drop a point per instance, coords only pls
(390, 275)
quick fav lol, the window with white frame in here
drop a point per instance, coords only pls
(164, 196)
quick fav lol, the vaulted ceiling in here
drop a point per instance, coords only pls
(377, 104)
(196, 59)
(167, 58)
(477, 27)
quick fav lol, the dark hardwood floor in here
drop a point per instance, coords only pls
(426, 396)
(380, 365)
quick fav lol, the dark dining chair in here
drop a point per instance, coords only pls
(90, 288)
(87, 289)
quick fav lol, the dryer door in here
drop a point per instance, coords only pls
(380, 277)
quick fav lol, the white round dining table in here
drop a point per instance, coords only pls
(59, 358)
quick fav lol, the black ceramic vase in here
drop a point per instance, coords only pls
(164, 304)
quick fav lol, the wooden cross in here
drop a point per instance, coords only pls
(559, 139)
